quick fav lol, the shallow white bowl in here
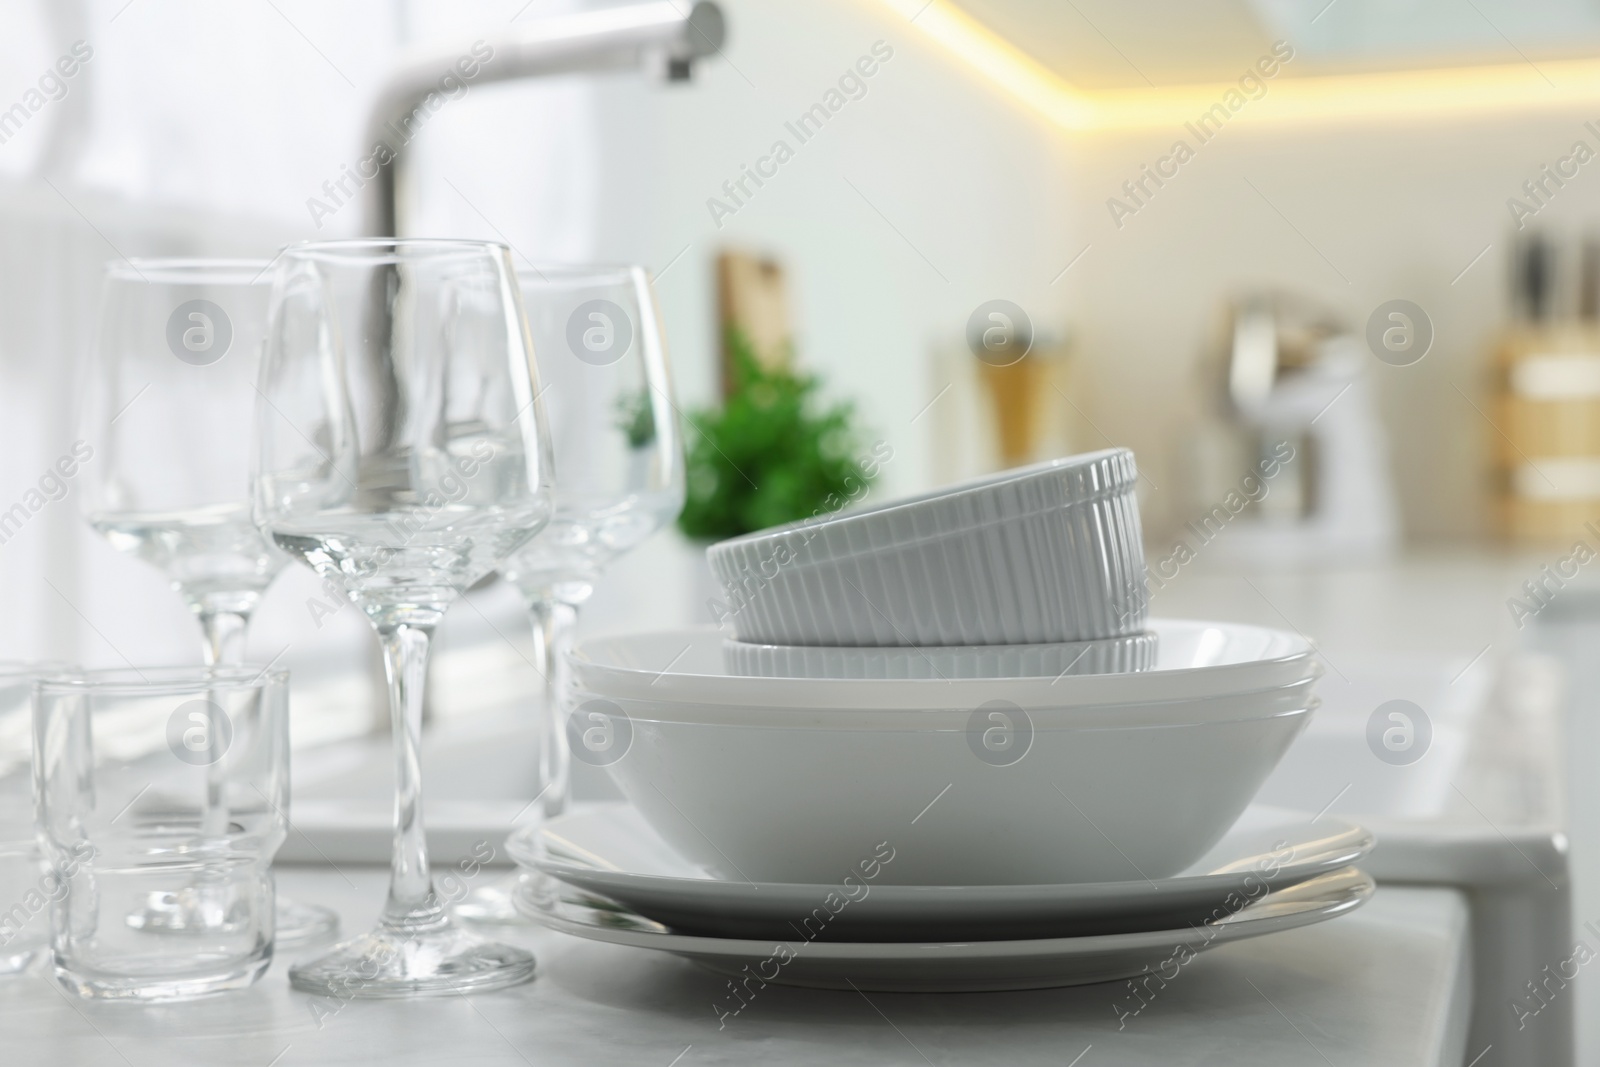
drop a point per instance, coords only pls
(1111, 655)
(1194, 659)
(1040, 554)
(994, 795)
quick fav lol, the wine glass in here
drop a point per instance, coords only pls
(619, 477)
(401, 453)
(170, 385)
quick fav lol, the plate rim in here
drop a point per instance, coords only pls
(1234, 928)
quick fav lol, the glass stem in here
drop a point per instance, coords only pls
(412, 903)
(224, 646)
(553, 624)
(224, 636)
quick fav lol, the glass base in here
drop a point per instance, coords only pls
(393, 961)
(158, 986)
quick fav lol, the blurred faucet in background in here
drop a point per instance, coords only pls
(657, 37)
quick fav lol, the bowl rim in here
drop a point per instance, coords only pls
(1297, 663)
(1296, 700)
(1108, 457)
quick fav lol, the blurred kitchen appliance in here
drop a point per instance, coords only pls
(1294, 377)
(1547, 394)
(658, 37)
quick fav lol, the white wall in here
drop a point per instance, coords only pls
(1400, 208)
(998, 202)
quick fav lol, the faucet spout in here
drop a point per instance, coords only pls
(656, 37)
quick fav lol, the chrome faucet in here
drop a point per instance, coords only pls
(658, 37)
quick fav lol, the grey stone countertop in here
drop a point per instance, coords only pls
(1388, 984)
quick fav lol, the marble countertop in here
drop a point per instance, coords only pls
(1388, 984)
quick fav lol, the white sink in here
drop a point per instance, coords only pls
(1332, 766)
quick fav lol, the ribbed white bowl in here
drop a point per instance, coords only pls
(1111, 655)
(1036, 555)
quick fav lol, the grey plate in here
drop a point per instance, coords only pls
(609, 850)
(948, 966)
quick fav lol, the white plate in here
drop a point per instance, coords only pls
(1194, 659)
(609, 849)
(946, 966)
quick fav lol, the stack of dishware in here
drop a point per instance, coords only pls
(400, 451)
(944, 749)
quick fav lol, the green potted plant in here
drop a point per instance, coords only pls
(772, 453)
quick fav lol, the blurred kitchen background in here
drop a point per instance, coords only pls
(980, 162)
(1379, 247)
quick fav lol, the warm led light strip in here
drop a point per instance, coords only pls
(1396, 94)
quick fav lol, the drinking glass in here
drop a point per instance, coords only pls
(618, 459)
(164, 783)
(619, 470)
(401, 453)
(27, 883)
(170, 389)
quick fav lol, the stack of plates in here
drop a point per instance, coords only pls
(939, 834)
(944, 749)
(603, 874)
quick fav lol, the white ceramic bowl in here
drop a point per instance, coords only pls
(985, 796)
(1194, 659)
(1111, 655)
(1035, 555)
